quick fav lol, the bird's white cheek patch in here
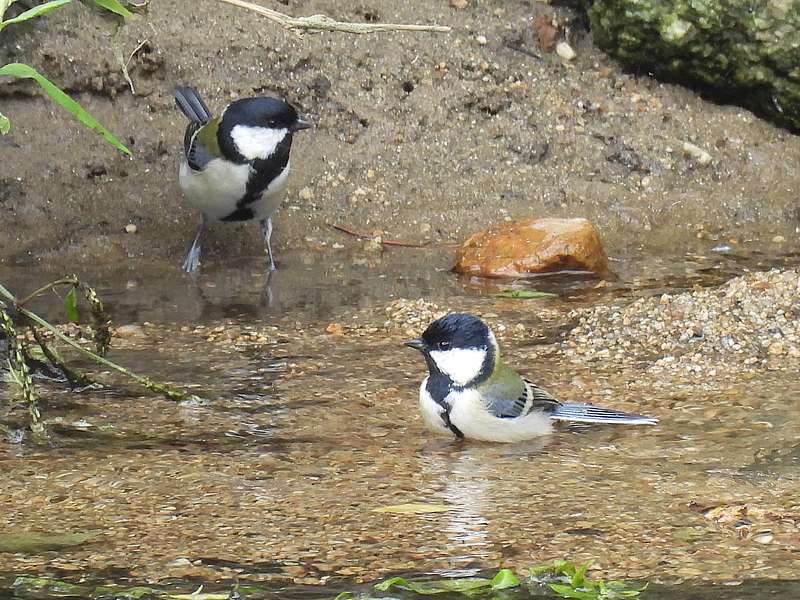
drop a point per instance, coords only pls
(462, 365)
(256, 142)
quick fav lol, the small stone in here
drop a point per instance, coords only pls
(459, 4)
(777, 349)
(335, 329)
(481, 40)
(696, 153)
(131, 228)
(778, 239)
(373, 245)
(129, 331)
(306, 194)
(763, 537)
(180, 562)
(565, 51)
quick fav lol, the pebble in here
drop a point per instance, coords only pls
(695, 152)
(481, 39)
(306, 194)
(131, 228)
(129, 331)
(565, 51)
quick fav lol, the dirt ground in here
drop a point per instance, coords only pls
(425, 136)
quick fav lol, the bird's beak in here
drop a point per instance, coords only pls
(417, 344)
(301, 123)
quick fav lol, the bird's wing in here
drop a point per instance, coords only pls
(191, 105)
(541, 400)
(199, 142)
(507, 395)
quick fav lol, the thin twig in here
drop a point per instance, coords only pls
(135, 50)
(369, 236)
(324, 23)
(71, 280)
(74, 378)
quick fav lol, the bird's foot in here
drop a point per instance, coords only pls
(192, 261)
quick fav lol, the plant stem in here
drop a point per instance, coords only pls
(71, 280)
(19, 371)
(325, 23)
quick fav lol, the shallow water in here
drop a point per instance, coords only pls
(276, 476)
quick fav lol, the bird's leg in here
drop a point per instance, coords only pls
(192, 260)
(266, 233)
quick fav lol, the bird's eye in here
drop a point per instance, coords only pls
(444, 345)
(272, 123)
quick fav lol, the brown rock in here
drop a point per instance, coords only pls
(533, 246)
(546, 32)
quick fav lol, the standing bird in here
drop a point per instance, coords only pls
(235, 165)
(469, 392)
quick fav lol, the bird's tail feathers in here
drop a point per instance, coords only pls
(192, 105)
(589, 413)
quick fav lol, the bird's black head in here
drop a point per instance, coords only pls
(456, 330)
(459, 349)
(264, 112)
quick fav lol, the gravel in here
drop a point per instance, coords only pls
(751, 322)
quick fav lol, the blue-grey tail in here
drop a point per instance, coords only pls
(192, 105)
(589, 413)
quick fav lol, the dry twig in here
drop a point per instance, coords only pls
(370, 236)
(324, 23)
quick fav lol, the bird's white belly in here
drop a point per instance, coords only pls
(217, 189)
(272, 197)
(470, 415)
(431, 411)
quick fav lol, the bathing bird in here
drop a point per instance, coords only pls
(235, 166)
(471, 393)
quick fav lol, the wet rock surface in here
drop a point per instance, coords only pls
(533, 247)
(744, 53)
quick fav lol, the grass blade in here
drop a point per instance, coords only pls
(114, 6)
(4, 4)
(23, 71)
(5, 124)
(36, 11)
(71, 305)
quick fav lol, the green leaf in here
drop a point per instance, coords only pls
(413, 508)
(344, 596)
(71, 305)
(504, 579)
(23, 71)
(36, 11)
(441, 586)
(579, 577)
(114, 6)
(198, 596)
(525, 294)
(5, 124)
(567, 591)
(33, 542)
